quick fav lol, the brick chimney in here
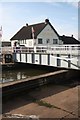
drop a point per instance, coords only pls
(72, 36)
(26, 24)
(46, 21)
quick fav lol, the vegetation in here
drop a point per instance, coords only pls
(42, 103)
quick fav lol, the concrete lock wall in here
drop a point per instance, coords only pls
(59, 77)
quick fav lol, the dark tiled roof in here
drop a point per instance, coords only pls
(69, 40)
(26, 31)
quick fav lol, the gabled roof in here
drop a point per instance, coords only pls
(26, 31)
(69, 40)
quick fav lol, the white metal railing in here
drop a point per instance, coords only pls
(59, 49)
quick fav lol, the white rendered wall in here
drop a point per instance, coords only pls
(47, 33)
(29, 43)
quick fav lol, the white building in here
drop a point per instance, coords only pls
(44, 46)
(41, 34)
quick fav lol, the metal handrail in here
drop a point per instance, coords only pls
(72, 49)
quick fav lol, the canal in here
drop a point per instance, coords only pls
(22, 71)
(49, 101)
(12, 75)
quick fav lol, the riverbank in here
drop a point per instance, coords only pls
(49, 101)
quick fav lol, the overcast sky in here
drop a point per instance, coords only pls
(62, 15)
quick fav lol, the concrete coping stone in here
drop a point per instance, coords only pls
(32, 78)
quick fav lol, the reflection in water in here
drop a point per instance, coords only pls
(13, 75)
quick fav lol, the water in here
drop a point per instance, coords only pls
(20, 74)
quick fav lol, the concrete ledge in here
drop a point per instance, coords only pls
(10, 89)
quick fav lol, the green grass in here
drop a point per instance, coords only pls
(42, 103)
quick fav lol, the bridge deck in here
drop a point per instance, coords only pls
(67, 56)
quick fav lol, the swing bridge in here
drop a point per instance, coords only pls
(64, 56)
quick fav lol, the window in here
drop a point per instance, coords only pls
(40, 41)
(55, 41)
(48, 41)
(30, 43)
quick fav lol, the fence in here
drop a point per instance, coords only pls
(59, 49)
